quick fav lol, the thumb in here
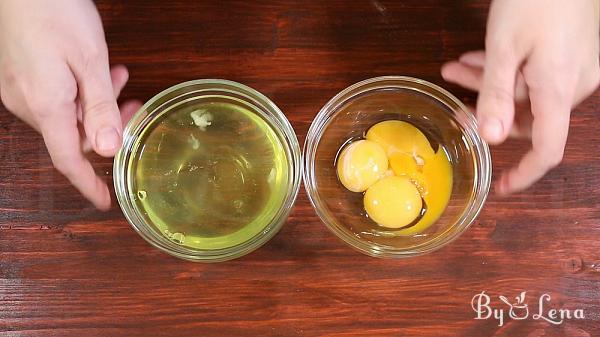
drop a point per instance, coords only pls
(496, 102)
(101, 116)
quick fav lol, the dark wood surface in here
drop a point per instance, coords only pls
(69, 270)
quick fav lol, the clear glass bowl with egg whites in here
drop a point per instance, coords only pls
(440, 116)
(198, 116)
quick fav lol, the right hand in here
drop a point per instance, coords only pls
(55, 76)
(541, 56)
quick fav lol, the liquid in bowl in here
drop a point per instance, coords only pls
(209, 170)
(446, 123)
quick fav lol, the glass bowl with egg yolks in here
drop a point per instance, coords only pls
(209, 170)
(395, 168)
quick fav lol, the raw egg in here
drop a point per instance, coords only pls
(393, 202)
(361, 164)
(398, 136)
(436, 188)
(418, 182)
(405, 165)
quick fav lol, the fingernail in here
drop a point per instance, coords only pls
(107, 139)
(491, 129)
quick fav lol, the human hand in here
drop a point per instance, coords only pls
(541, 55)
(54, 75)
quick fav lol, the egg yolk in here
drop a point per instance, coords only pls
(393, 202)
(405, 165)
(419, 178)
(399, 136)
(361, 164)
(435, 186)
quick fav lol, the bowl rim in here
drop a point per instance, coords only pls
(482, 174)
(226, 88)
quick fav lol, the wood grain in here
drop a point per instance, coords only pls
(69, 270)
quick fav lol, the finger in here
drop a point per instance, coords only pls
(119, 77)
(549, 136)
(470, 76)
(59, 129)
(464, 75)
(475, 58)
(128, 109)
(101, 117)
(521, 128)
(496, 101)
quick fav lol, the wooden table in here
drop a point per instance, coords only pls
(67, 269)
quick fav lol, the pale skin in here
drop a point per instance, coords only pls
(55, 75)
(542, 57)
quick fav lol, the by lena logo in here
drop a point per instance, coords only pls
(519, 309)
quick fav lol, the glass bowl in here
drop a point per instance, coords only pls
(163, 111)
(441, 117)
